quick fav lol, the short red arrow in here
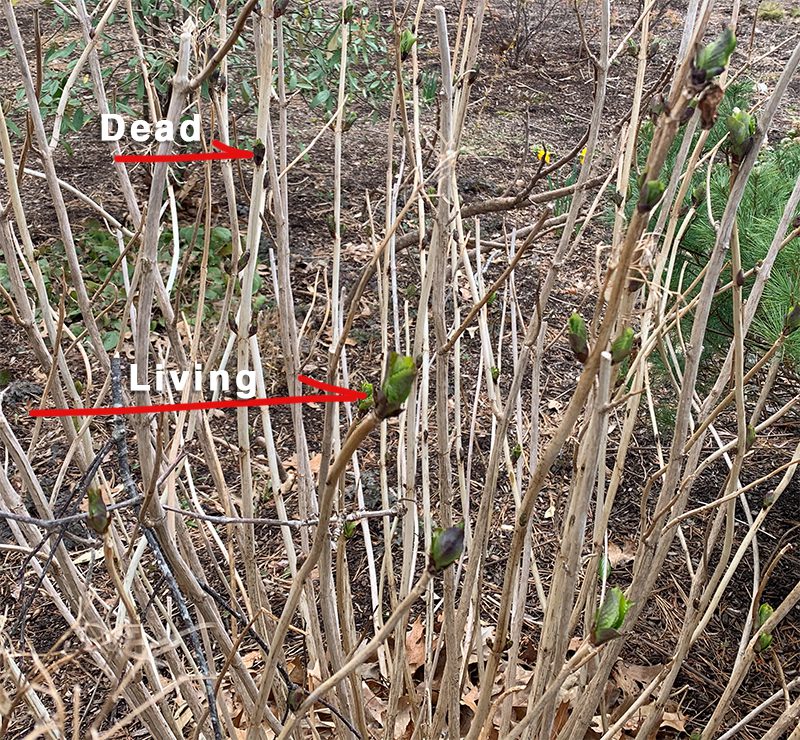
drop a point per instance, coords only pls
(335, 394)
(226, 152)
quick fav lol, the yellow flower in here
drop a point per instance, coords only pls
(582, 155)
(542, 153)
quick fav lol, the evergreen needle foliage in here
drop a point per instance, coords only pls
(758, 216)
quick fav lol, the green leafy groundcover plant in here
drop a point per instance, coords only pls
(759, 214)
(313, 44)
(99, 252)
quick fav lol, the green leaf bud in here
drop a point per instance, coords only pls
(649, 195)
(713, 58)
(407, 41)
(750, 437)
(399, 379)
(578, 338)
(765, 639)
(792, 323)
(365, 404)
(741, 129)
(349, 529)
(603, 568)
(98, 513)
(400, 375)
(622, 345)
(446, 546)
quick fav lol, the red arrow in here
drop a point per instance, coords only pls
(335, 394)
(227, 152)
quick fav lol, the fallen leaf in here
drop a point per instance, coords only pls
(631, 678)
(618, 555)
(374, 705)
(675, 720)
(402, 720)
(415, 645)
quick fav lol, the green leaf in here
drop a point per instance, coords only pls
(78, 119)
(712, 59)
(399, 378)
(247, 92)
(610, 616)
(320, 98)
(220, 235)
(110, 340)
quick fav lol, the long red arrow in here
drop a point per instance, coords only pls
(226, 152)
(335, 394)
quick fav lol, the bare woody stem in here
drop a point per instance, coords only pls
(362, 655)
(357, 435)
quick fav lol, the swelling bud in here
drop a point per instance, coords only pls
(713, 58)
(578, 338)
(650, 194)
(741, 130)
(400, 376)
(621, 346)
(98, 513)
(446, 547)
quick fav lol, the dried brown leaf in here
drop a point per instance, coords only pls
(415, 645)
(618, 555)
